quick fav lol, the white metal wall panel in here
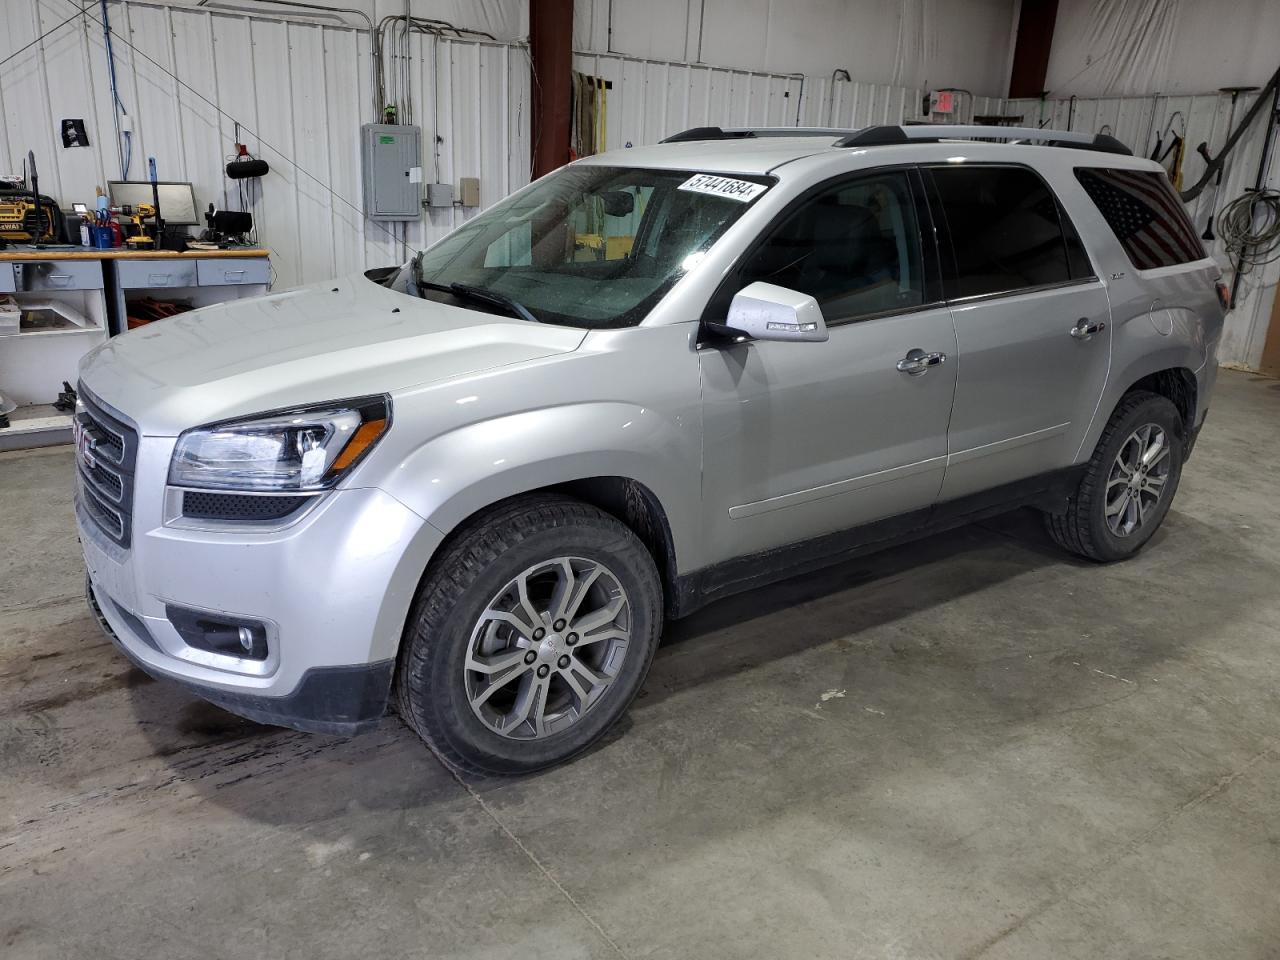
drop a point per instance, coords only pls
(652, 99)
(907, 42)
(300, 89)
(1137, 121)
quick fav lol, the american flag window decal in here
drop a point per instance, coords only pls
(1145, 215)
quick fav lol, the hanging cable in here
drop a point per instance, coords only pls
(124, 137)
(1250, 228)
(52, 30)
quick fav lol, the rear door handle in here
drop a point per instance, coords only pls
(917, 362)
(1083, 329)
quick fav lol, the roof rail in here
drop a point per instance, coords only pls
(741, 133)
(933, 132)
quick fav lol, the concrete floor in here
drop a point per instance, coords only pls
(967, 747)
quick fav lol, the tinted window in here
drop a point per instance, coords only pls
(1004, 229)
(1146, 216)
(854, 247)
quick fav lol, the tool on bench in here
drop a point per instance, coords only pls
(226, 228)
(23, 221)
(139, 239)
(27, 216)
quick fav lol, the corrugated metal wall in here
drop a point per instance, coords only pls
(652, 99)
(1137, 121)
(301, 91)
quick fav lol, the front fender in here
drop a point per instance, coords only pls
(455, 474)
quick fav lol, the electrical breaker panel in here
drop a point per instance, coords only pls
(391, 161)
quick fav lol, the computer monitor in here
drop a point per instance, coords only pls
(177, 200)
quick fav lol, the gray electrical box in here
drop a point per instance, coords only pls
(391, 161)
(439, 194)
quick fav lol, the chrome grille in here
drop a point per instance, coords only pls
(106, 453)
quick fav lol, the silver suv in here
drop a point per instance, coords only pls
(476, 485)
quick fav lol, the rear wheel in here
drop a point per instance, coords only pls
(1128, 484)
(530, 637)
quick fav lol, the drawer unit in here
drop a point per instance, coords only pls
(7, 284)
(58, 275)
(146, 274)
(231, 271)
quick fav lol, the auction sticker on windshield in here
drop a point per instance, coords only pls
(744, 191)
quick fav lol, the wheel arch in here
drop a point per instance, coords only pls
(1178, 385)
(631, 502)
(1167, 374)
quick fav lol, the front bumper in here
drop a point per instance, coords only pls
(333, 590)
(342, 700)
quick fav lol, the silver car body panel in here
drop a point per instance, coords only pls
(771, 477)
(746, 448)
(327, 341)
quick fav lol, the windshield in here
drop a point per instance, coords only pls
(588, 246)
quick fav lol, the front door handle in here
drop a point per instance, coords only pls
(1083, 329)
(917, 362)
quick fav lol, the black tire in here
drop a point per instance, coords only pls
(1083, 529)
(483, 556)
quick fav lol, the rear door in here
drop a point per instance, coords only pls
(1032, 325)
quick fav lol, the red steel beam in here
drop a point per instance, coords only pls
(1031, 48)
(551, 48)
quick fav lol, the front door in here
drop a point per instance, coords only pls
(805, 439)
(1032, 323)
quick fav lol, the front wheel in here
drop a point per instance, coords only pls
(1128, 484)
(530, 637)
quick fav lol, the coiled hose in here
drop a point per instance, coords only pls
(1249, 227)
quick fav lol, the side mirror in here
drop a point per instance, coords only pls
(763, 311)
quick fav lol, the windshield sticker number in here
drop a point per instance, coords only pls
(744, 191)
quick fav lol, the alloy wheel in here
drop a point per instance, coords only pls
(547, 647)
(1137, 479)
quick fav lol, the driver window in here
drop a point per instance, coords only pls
(855, 248)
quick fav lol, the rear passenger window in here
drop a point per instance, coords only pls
(854, 247)
(1005, 230)
(1145, 215)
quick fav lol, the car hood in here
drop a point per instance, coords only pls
(329, 341)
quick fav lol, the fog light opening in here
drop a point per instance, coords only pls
(217, 633)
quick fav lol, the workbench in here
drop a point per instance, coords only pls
(93, 287)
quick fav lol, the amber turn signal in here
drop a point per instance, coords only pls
(368, 432)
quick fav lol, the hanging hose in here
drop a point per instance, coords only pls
(1250, 228)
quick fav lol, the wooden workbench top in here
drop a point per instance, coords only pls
(120, 253)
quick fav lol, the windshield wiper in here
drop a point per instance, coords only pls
(465, 292)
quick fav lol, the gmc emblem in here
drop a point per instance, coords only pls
(85, 444)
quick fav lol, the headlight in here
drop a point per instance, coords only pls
(299, 450)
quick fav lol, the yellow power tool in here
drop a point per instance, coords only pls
(139, 238)
(18, 222)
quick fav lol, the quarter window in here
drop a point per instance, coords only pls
(855, 248)
(1006, 231)
(1145, 215)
